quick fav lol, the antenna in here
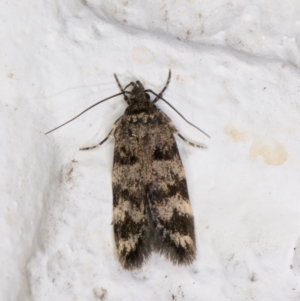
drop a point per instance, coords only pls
(97, 103)
(158, 96)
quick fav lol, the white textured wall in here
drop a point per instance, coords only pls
(235, 73)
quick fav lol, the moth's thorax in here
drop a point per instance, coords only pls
(139, 101)
(140, 107)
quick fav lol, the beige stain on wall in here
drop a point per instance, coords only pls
(142, 55)
(185, 78)
(235, 134)
(270, 150)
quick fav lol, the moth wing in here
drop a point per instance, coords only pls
(131, 229)
(167, 194)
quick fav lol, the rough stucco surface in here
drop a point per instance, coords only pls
(235, 73)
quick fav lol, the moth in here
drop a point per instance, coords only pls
(151, 207)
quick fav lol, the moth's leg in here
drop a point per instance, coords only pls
(111, 133)
(175, 131)
(121, 88)
(165, 87)
(191, 143)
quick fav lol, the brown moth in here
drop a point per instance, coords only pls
(151, 207)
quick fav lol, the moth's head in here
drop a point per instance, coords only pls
(138, 93)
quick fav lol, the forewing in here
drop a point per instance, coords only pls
(167, 195)
(130, 221)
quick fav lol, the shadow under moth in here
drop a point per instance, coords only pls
(151, 207)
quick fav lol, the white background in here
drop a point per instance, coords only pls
(235, 73)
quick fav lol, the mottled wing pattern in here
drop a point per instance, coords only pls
(150, 196)
(167, 195)
(131, 226)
